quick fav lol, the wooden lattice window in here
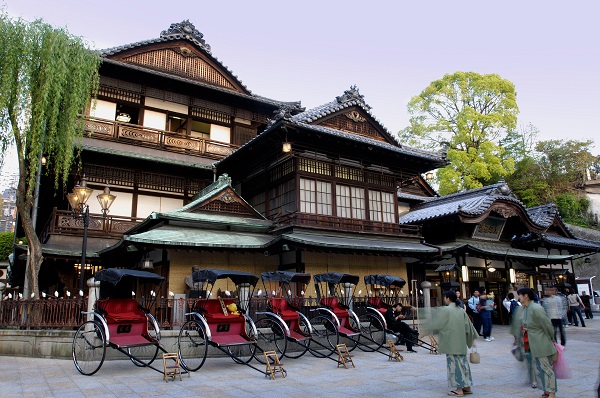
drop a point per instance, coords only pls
(212, 115)
(381, 206)
(281, 170)
(341, 122)
(282, 198)
(243, 134)
(315, 197)
(220, 206)
(314, 166)
(348, 173)
(350, 202)
(119, 94)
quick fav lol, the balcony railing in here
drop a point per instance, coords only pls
(347, 224)
(62, 223)
(65, 313)
(154, 138)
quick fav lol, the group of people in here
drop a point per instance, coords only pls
(531, 327)
(481, 307)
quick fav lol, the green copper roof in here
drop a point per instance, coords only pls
(173, 236)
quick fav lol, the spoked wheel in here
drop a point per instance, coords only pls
(144, 355)
(271, 337)
(372, 328)
(324, 336)
(243, 353)
(89, 348)
(298, 349)
(192, 345)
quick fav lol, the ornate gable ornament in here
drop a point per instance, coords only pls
(185, 30)
(352, 95)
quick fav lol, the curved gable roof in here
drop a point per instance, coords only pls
(349, 113)
(181, 51)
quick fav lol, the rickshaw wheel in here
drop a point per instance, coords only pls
(144, 355)
(243, 353)
(304, 345)
(371, 327)
(271, 337)
(325, 335)
(89, 348)
(192, 346)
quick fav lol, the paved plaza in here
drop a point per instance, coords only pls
(419, 375)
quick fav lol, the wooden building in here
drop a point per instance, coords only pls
(208, 174)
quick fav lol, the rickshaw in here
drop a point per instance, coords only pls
(220, 322)
(386, 290)
(284, 323)
(119, 321)
(335, 292)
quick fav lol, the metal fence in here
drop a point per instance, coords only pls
(170, 313)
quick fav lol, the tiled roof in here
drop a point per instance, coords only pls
(543, 215)
(472, 202)
(561, 240)
(349, 99)
(185, 30)
(502, 250)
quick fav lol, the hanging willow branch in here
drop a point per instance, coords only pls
(47, 78)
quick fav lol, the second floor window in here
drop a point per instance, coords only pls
(381, 206)
(315, 197)
(350, 202)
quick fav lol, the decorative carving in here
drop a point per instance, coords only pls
(352, 95)
(138, 135)
(218, 149)
(185, 29)
(355, 117)
(227, 197)
(505, 212)
(183, 143)
(98, 127)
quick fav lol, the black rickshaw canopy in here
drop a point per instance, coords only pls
(336, 277)
(285, 276)
(114, 275)
(211, 276)
(384, 280)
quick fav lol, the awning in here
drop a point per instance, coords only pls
(358, 243)
(178, 236)
(446, 267)
(502, 251)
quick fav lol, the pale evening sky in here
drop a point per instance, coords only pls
(311, 51)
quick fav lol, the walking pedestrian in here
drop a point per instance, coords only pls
(473, 309)
(532, 325)
(486, 309)
(555, 308)
(510, 303)
(585, 298)
(456, 333)
(576, 304)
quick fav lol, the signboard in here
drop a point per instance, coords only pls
(489, 229)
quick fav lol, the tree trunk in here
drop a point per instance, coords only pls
(34, 264)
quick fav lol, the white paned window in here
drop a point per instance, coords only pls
(324, 198)
(315, 197)
(157, 120)
(350, 202)
(381, 206)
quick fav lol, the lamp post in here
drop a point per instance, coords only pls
(77, 200)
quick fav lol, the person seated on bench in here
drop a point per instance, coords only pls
(393, 317)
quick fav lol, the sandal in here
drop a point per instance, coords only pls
(455, 394)
(467, 392)
(545, 395)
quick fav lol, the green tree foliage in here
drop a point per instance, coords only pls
(467, 113)
(47, 78)
(6, 244)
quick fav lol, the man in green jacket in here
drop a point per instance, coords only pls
(456, 333)
(535, 330)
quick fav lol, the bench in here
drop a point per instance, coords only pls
(280, 307)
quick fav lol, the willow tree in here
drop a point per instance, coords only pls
(47, 77)
(467, 114)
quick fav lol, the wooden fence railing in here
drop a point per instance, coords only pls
(169, 313)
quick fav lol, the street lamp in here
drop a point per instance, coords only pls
(77, 200)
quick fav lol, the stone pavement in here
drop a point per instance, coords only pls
(420, 375)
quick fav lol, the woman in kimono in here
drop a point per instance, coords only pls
(456, 333)
(532, 325)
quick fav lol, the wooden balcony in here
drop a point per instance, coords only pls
(62, 223)
(133, 134)
(346, 224)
